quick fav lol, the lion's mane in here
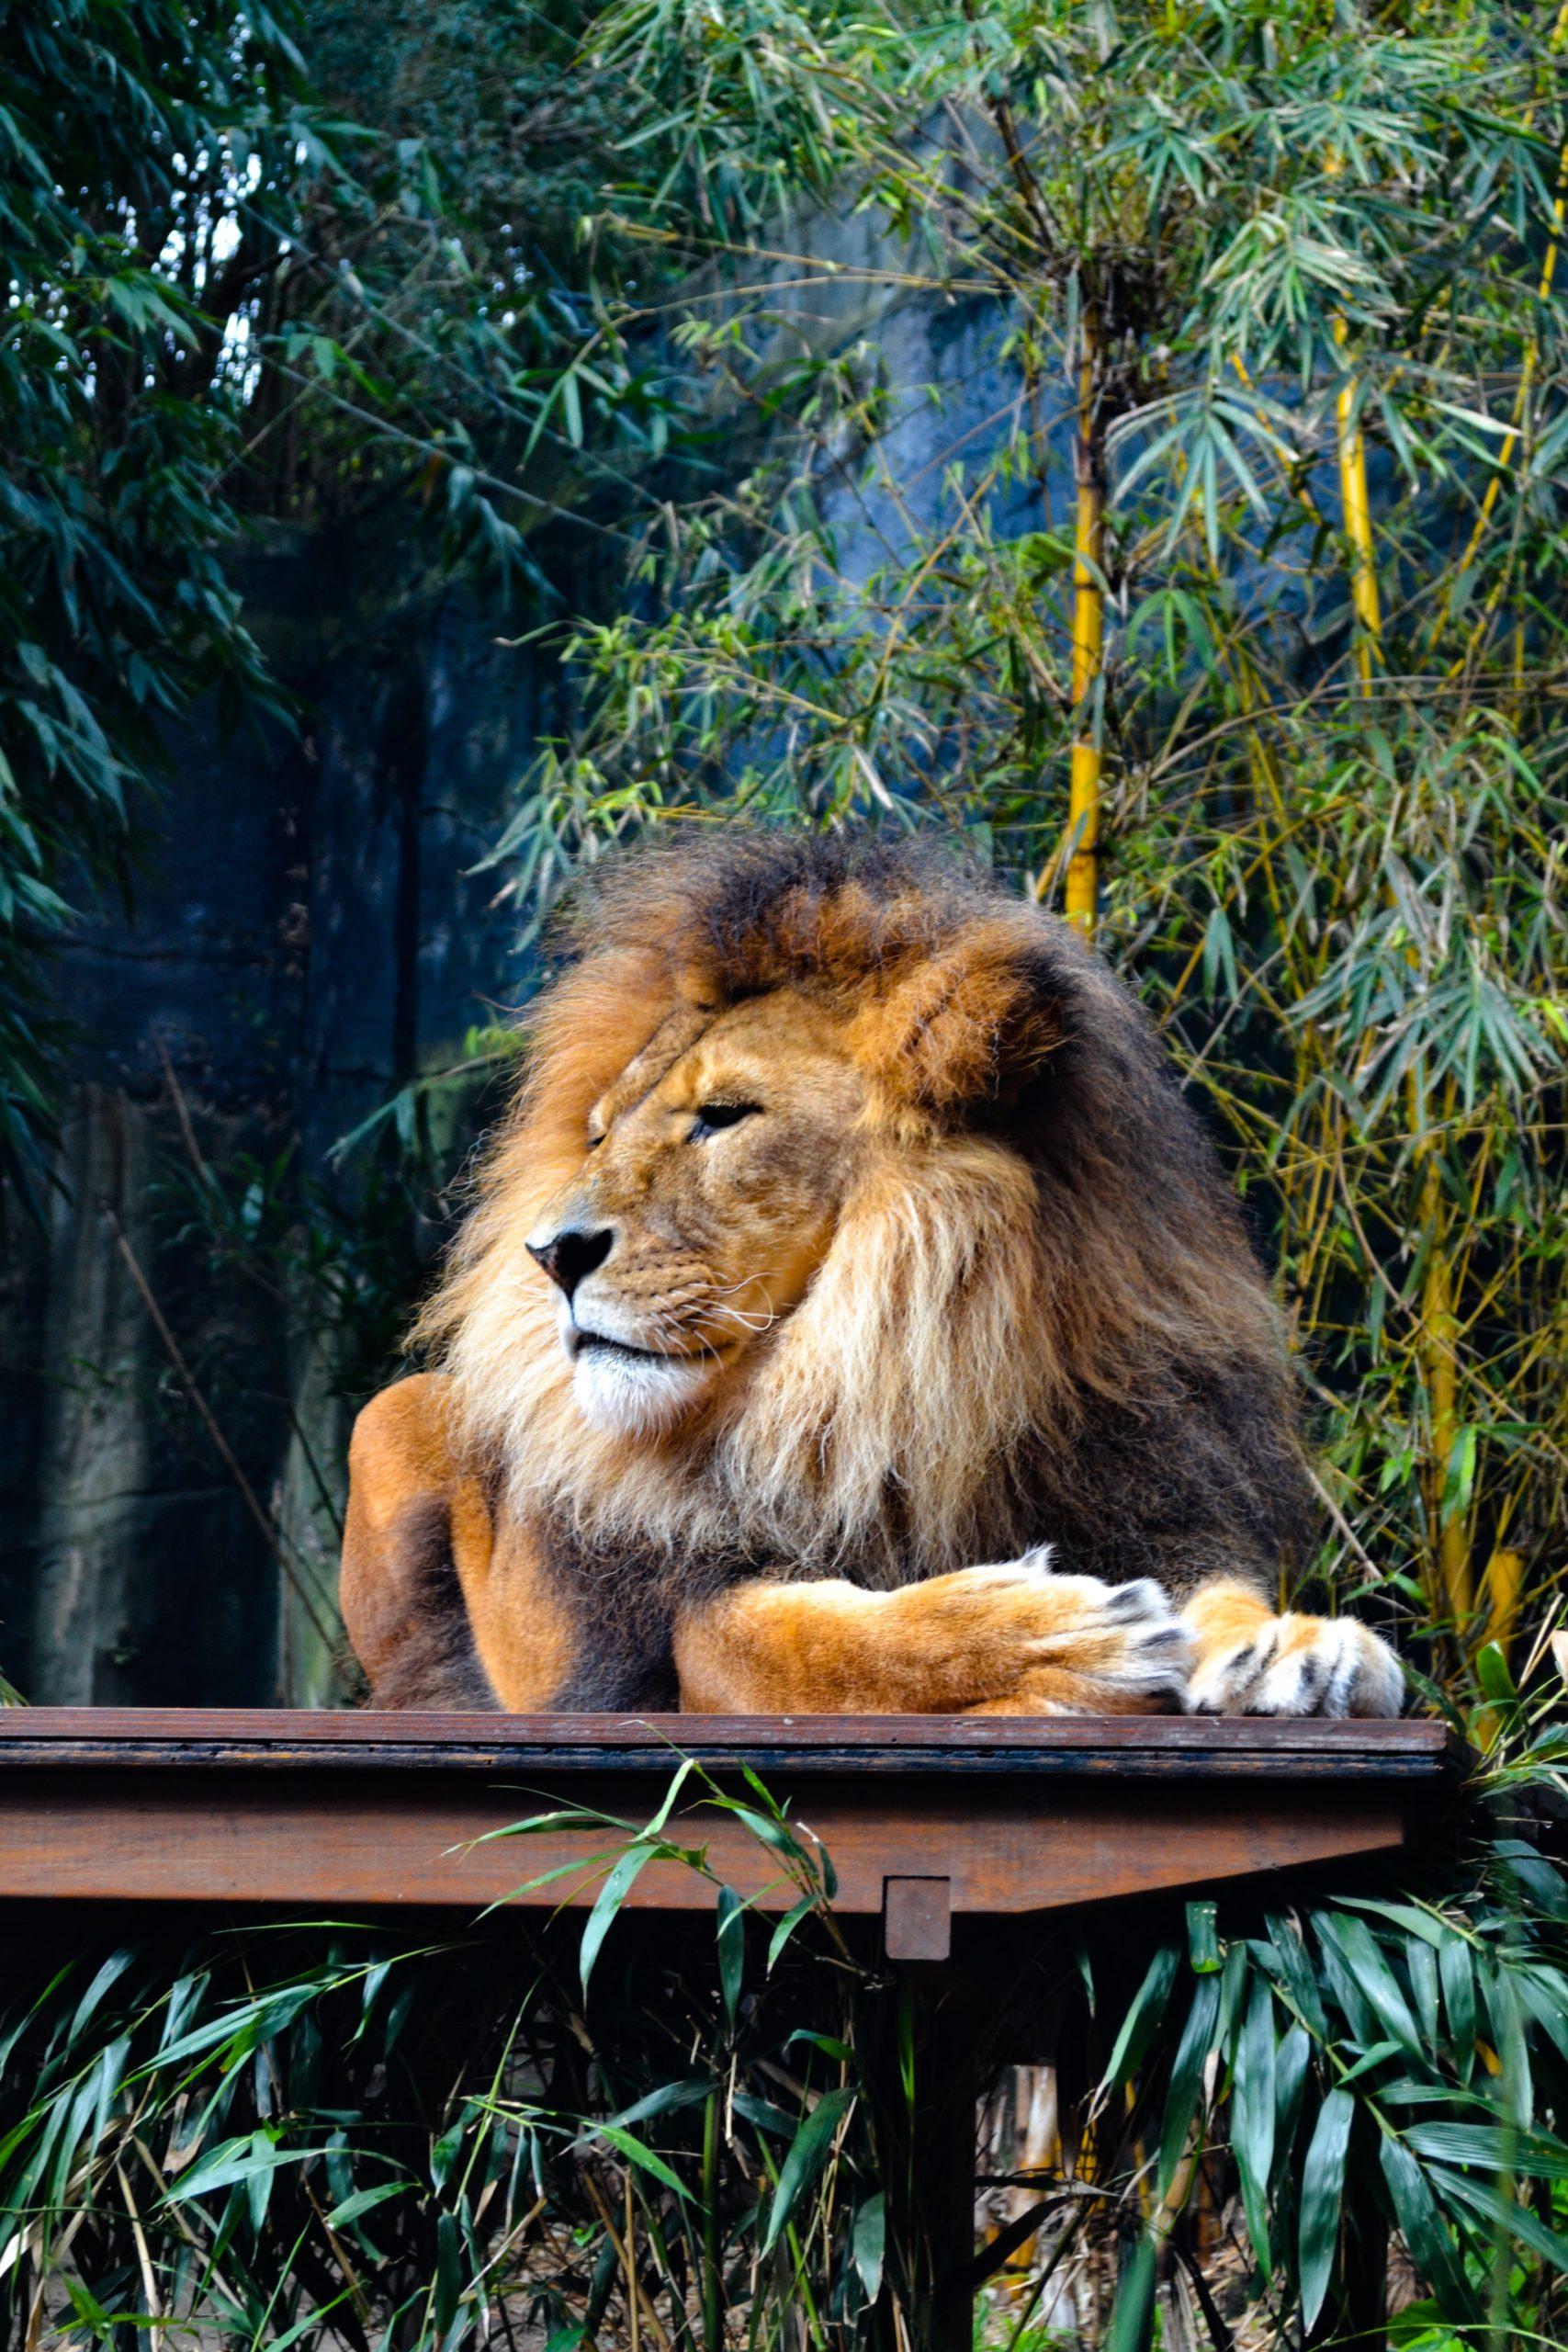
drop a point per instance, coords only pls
(1040, 1318)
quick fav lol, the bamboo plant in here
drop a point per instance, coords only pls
(1233, 630)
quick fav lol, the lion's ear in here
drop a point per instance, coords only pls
(969, 1025)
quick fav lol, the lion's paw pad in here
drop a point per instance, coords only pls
(1302, 1666)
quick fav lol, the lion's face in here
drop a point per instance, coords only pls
(715, 1166)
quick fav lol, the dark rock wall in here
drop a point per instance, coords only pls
(304, 938)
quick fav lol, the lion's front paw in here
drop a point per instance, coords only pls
(1301, 1666)
(1069, 1644)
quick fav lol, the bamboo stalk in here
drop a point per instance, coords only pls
(1504, 1582)
(713, 2261)
(1358, 512)
(1436, 1340)
(1438, 1355)
(1039, 2151)
(1082, 897)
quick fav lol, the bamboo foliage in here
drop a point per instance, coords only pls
(1269, 693)
(1452, 1596)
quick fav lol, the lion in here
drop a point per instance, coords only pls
(852, 1319)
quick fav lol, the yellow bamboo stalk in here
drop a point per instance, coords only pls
(1039, 2151)
(1436, 1340)
(1437, 1352)
(1089, 642)
(1505, 1589)
(1358, 515)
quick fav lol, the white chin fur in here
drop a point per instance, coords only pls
(633, 1398)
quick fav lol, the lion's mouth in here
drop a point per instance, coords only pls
(630, 1391)
(596, 1344)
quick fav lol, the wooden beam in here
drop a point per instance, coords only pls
(1018, 1818)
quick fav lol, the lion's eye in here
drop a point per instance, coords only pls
(594, 1142)
(713, 1117)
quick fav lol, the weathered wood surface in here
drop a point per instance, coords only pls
(1018, 1817)
(1160, 1745)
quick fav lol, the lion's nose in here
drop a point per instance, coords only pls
(569, 1256)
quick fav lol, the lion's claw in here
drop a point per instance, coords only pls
(1301, 1666)
(1077, 1645)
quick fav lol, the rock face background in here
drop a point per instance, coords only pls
(302, 940)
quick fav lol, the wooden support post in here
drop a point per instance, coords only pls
(916, 1919)
(925, 2069)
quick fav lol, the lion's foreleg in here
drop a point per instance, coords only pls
(444, 1607)
(1250, 1661)
(1010, 1639)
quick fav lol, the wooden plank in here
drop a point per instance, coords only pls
(1019, 1817)
(391, 1858)
(1116, 1747)
(246, 1837)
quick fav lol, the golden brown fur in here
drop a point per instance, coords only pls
(949, 1274)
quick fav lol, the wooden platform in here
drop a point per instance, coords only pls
(930, 1821)
(925, 1817)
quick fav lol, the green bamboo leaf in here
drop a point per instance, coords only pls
(1517, 2223)
(764, 2115)
(667, 2098)
(107, 1977)
(308, 2322)
(1132, 2318)
(636, 2151)
(1253, 2116)
(1492, 1670)
(868, 2243)
(1514, 2087)
(612, 1894)
(776, 1834)
(804, 2159)
(1142, 2018)
(1544, 1992)
(787, 1926)
(1496, 2147)
(1409, 1915)
(831, 2045)
(1284, 1955)
(731, 1934)
(1373, 1977)
(1378, 2055)
(1459, 2001)
(1290, 2063)
(661, 1820)
(1422, 1962)
(572, 408)
(1427, 2235)
(1323, 2183)
(1202, 1938)
(363, 2201)
(236, 2161)
(1187, 2077)
(446, 2286)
